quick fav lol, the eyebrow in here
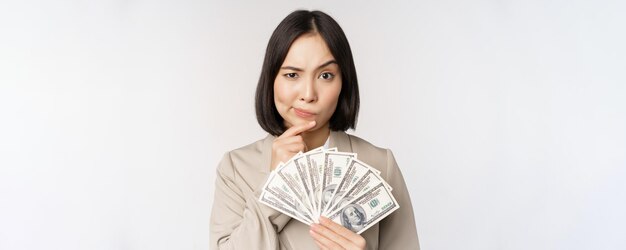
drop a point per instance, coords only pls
(319, 67)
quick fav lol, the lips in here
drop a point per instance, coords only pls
(303, 113)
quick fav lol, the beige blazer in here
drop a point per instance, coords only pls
(240, 221)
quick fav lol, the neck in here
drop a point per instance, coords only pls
(316, 138)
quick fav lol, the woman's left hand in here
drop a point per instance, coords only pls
(330, 235)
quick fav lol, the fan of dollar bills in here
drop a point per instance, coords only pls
(332, 184)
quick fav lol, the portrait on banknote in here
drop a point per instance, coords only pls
(353, 217)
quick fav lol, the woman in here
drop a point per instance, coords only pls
(307, 96)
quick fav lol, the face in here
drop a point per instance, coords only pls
(308, 83)
(353, 215)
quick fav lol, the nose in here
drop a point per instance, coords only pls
(308, 93)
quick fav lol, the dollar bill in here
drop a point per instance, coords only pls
(353, 173)
(291, 177)
(272, 200)
(366, 210)
(359, 178)
(302, 165)
(329, 183)
(316, 167)
(335, 164)
(364, 184)
(276, 187)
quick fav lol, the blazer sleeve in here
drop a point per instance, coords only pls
(398, 230)
(238, 219)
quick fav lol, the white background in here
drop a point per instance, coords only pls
(507, 117)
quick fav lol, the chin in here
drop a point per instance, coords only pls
(298, 120)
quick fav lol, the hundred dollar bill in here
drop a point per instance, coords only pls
(363, 185)
(271, 200)
(279, 189)
(335, 164)
(302, 166)
(353, 173)
(289, 174)
(316, 167)
(358, 179)
(366, 210)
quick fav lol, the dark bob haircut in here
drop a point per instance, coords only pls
(298, 23)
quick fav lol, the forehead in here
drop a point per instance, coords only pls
(308, 51)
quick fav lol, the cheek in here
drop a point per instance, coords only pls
(281, 94)
(333, 96)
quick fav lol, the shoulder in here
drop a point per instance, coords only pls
(251, 150)
(378, 157)
(245, 158)
(361, 143)
(364, 147)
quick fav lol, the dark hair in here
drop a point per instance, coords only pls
(298, 23)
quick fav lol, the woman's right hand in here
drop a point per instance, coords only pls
(289, 143)
(330, 235)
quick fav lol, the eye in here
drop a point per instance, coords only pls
(291, 75)
(327, 76)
